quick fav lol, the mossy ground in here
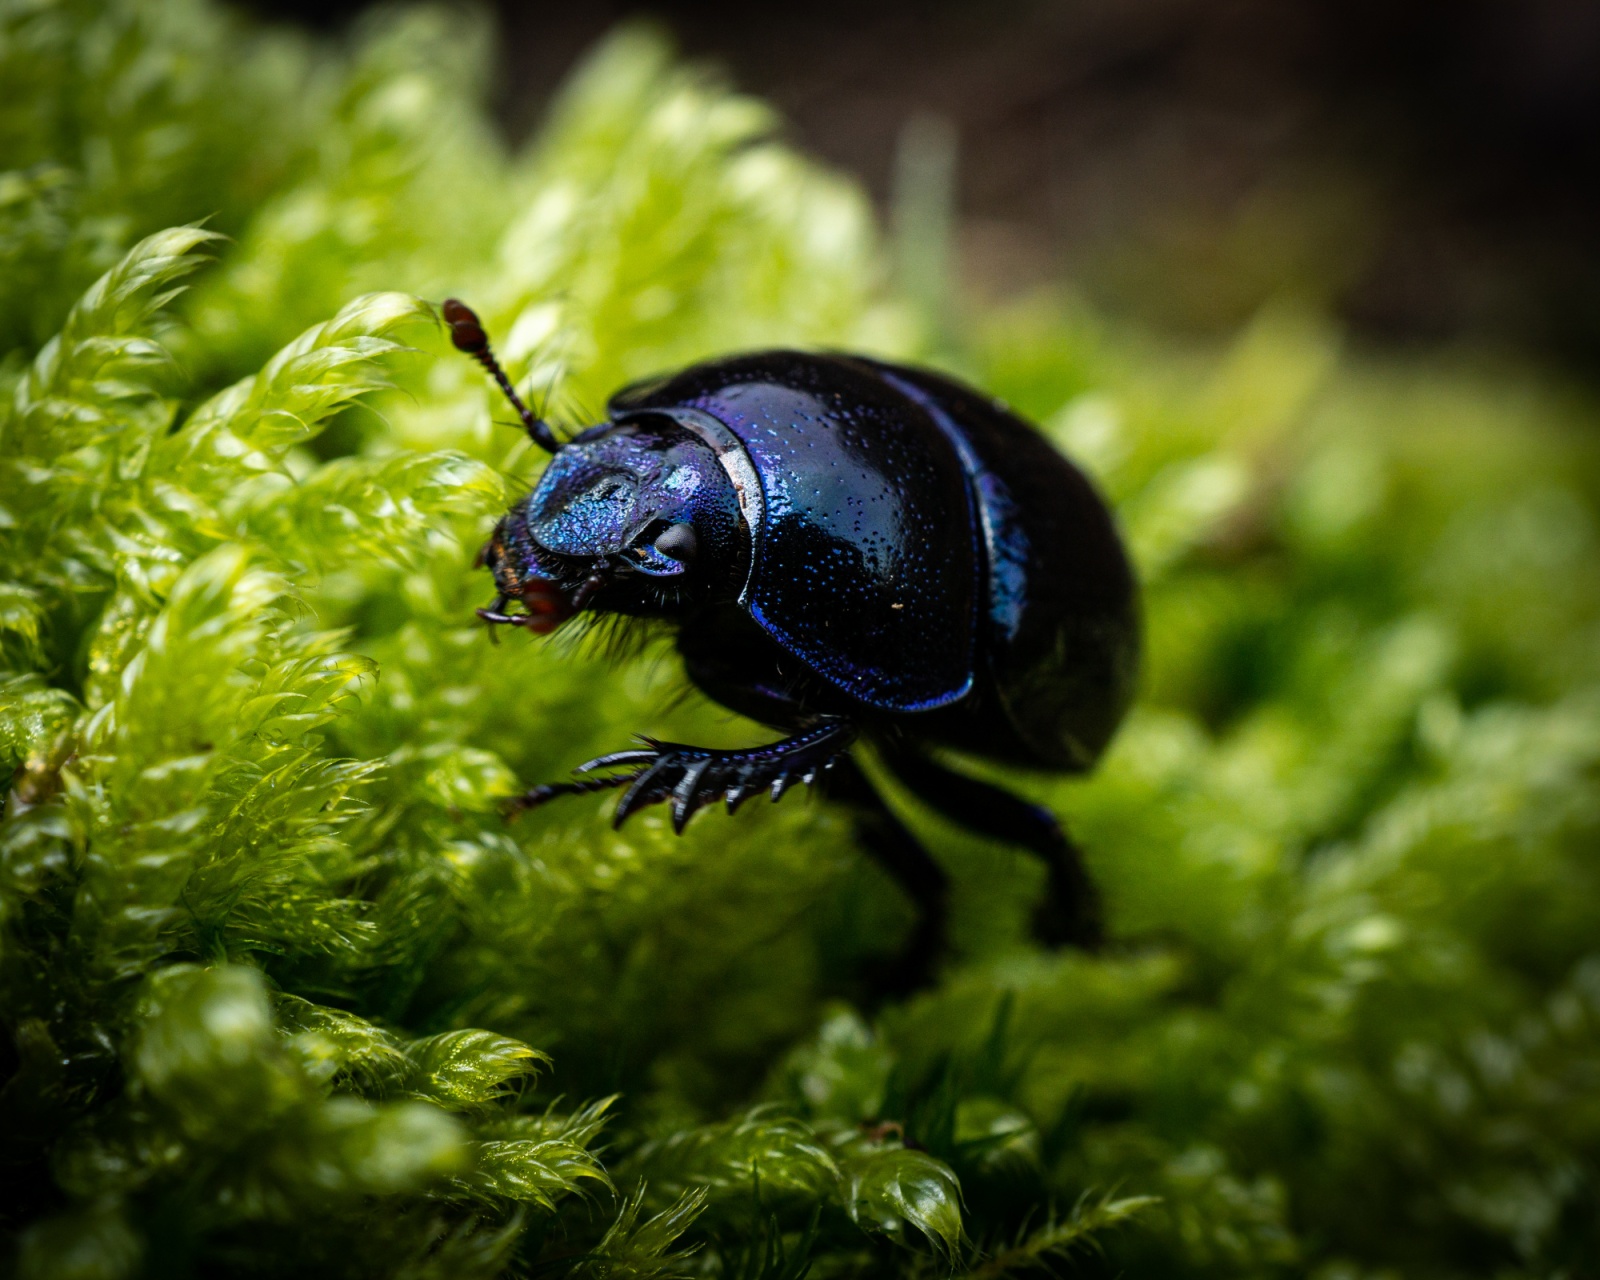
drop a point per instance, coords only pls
(284, 994)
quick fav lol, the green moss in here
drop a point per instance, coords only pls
(283, 993)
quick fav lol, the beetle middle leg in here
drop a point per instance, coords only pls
(1070, 914)
(738, 667)
(912, 867)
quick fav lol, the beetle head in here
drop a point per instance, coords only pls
(635, 518)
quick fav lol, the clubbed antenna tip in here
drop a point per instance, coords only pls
(466, 332)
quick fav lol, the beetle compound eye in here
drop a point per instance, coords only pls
(678, 542)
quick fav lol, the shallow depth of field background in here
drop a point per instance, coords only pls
(1309, 290)
(1420, 169)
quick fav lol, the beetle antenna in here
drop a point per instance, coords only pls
(466, 331)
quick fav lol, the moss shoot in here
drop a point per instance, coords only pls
(281, 991)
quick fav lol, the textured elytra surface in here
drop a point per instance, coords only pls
(867, 566)
(283, 994)
(874, 587)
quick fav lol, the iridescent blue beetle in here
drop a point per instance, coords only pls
(848, 548)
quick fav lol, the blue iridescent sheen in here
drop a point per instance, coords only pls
(925, 552)
(849, 549)
(603, 491)
(861, 572)
(1005, 542)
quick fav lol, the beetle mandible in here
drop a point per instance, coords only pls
(849, 549)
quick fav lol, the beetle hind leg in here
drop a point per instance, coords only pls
(1070, 913)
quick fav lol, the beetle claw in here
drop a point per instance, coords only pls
(636, 794)
(686, 799)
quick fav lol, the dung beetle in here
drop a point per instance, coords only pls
(848, 549)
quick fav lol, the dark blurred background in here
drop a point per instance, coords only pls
(1422, 168)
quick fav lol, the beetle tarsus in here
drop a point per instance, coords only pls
(549, 791)
(693, 777)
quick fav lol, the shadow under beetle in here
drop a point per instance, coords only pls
(848, 548)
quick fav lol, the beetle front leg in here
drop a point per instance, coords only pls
(693, 777)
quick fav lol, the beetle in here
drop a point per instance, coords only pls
(849, 549)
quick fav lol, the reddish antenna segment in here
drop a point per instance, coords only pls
(466, 331)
